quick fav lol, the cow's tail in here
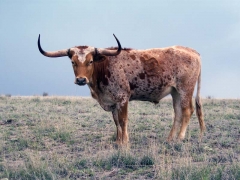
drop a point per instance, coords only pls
(199, 110)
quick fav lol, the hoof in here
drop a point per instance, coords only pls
(180, 138)
(169, 139)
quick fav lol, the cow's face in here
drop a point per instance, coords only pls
(82, 58)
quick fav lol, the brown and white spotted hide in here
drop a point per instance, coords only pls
(147, 75)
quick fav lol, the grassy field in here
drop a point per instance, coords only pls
(73, 138)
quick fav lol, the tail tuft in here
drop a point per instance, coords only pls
(199, 113)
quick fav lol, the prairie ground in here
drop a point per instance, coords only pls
(74, 138)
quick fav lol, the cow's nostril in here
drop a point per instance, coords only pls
(81, 81)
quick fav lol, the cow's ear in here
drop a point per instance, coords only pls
(99, 58)
(69, 53)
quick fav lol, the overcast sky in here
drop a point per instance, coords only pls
(212, 27)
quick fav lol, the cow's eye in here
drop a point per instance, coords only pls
(73, 63)
(90, 62)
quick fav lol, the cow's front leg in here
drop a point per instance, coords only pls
(119, 129)
(123, 121)
(120, 116)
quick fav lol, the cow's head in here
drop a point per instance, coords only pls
(82, 58)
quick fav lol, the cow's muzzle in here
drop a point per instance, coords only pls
(81, 81)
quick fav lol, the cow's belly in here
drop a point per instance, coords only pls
(150, 94)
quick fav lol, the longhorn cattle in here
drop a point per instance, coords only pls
(116, 76)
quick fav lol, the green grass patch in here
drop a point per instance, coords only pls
(73, 138)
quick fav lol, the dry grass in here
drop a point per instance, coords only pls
(73, 138)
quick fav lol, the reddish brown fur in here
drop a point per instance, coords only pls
(82, 69)
(100, 75)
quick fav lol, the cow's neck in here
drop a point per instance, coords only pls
(100, 77)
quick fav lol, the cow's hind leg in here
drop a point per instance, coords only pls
(187, 111)
(177, 114)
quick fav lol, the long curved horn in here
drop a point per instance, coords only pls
(53, 53)
(108, 52)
